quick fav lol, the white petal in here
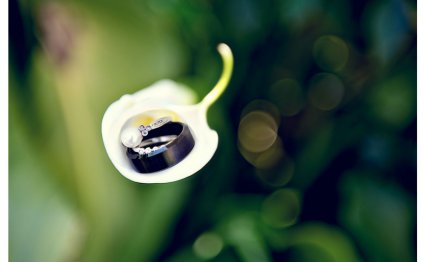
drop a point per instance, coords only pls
(118, 115)
(165, 99)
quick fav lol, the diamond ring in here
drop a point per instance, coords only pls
(131, 137)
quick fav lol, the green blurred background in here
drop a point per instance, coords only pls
(317, 153)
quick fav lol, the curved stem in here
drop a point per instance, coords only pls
(228, 61)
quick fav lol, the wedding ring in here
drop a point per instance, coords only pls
(158, 123)
(131, 137)
(157, 140)
(162, 148)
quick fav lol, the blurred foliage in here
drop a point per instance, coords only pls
(317, 152)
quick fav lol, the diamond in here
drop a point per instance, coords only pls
(136, 150)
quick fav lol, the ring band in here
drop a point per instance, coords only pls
(156, 143)
(172, 142)
(157, 140)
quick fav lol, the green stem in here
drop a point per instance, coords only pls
(228, 61)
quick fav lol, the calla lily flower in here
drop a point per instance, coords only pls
(170, 99)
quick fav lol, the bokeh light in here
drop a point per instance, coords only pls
(331, 53)
(257, 131)
(326, 91)
(258, 137)
(281, 209)
(208, 245)
(393, 101)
